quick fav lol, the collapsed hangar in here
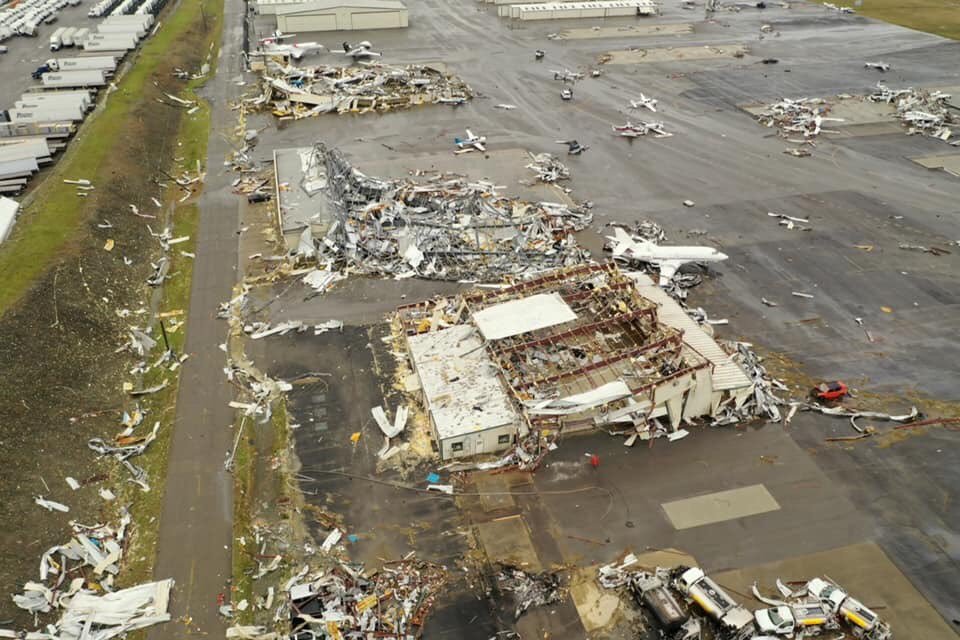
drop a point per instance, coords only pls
(576, 348)
(306, 16)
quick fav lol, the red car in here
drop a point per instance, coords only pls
(830, 391)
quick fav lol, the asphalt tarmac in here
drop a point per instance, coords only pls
(856, 189)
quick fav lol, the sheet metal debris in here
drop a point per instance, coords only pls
(91, 557)
(300, 92)
(921, 111)
(347, 601)
(530, 589)
(803, 116)
(548, 168)
(443, 227)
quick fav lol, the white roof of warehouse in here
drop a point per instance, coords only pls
(309, 6)
(460, 384)
(522, 316)
(727, 374)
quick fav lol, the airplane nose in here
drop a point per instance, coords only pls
(721, 255)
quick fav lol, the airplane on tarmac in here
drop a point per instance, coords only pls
(628, 248)
(274, 44)
(363, 51)
(470, 143)
(644, 103)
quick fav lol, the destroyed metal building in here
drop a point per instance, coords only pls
(574, 348)
(437, 226)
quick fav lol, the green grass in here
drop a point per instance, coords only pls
(243, 563)
(941, 17)
(246, 495)
(55, 214)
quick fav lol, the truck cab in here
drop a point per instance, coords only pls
(849, 610)
(714, 601)
(775, 621)
(46, 67)
(786, 620)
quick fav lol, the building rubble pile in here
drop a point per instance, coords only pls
(921, 111)
(347, 602)
(301, 92)
(443, 228)
(763, 402)
(548, 168)
(597, 324)
(530, 589)
(803, 117)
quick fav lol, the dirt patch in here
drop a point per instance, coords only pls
(63, 378)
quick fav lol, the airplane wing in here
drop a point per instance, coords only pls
(480, 146)
(470, 135)
(667, 270)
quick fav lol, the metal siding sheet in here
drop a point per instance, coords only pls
(376, 20)
(316, 22)
(727, 374)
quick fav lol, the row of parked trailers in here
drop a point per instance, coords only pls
(122, 7)
(23, 18)
(116, 33)
(42, 120)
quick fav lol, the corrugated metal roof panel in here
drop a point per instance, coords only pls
(727, 374)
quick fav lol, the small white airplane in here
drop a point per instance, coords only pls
(644, 103)
(626, 247)
(276, 37)
(470, 143)
(295, 51)
(566, 75)
(363, 51)
(879, 66)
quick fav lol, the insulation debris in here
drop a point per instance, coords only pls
(443, 228)
(300, 92)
